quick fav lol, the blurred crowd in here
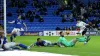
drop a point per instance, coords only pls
(31, 14)
(80, 11)
(1, 14)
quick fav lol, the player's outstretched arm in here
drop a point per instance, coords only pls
(11, 22)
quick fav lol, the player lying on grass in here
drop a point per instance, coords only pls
(63, 42)
(43, 43)
(5, 45)
(18, 27)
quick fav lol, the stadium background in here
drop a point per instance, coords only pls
(46, 15)
(55, 15)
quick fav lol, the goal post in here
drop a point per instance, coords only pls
(4, 6)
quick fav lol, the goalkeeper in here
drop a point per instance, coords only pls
(63, 42)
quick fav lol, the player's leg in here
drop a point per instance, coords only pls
(9, 45)
(1, 49)
(33, 44)
(84, 39)
(81, 39)
(71, 43)
(81, 31)
(88, 38)
(84, 32)
(23, 46)
(63, 43)
(19, 31)
(74, 42)
(13, 34)
(60, 44)
(55, 43)
(48, 43)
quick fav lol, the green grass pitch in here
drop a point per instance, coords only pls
(90, 49)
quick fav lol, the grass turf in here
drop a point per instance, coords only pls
(90, 49)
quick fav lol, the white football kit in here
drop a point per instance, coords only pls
(9, 45)
(82, 26)
(17, 30)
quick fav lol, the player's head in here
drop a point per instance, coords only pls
(78, 21)
(61, 34)
(38, 39)
(19, 17)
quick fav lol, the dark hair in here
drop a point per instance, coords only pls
(38, 39)
(61, 32)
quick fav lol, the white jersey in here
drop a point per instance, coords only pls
(81, 25)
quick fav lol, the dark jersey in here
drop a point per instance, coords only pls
(18, 23)
(40, 43)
